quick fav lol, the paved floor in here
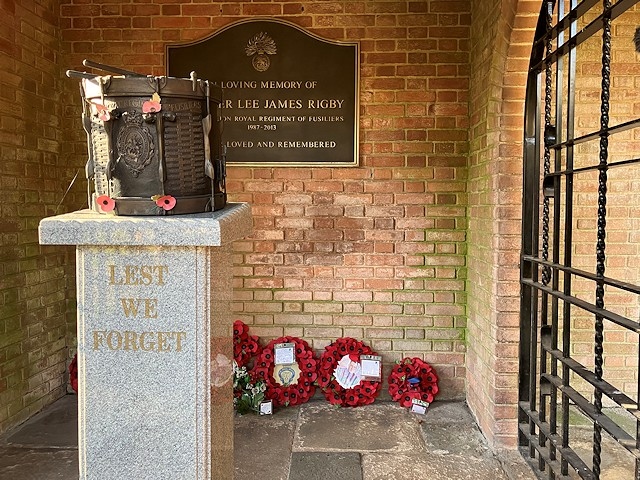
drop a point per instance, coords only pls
(314, 441)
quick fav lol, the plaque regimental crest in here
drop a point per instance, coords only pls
(134, 143)
(259, 47)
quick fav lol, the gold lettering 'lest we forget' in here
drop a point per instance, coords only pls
(132, 308)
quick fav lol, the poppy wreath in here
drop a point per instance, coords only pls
(412, 378)
(245, 346)
(298, 392)
(362, 394)
(73, 373)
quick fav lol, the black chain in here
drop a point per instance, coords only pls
(602, 223)
(546, 271)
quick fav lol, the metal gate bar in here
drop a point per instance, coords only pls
(546, 370)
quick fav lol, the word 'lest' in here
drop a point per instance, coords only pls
(144, 275)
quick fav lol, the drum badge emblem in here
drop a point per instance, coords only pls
(134, 143)
(259, 48)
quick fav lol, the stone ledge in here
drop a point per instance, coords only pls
(86, 227)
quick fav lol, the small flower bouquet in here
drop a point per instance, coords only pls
(247, 394)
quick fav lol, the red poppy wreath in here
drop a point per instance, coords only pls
(287, 384)
(340, 378)
(73, 373)
(410, 379)
(245, 346)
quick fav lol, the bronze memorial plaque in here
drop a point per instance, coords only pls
(290, 98)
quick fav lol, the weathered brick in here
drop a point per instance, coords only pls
(384, 333)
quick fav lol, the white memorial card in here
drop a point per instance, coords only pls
(371, 367)
(266, 408)
(284, 353)
(418, 406)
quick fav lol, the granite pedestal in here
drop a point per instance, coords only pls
(154, 342)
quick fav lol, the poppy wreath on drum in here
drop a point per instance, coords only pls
(297, 392)
(412, 378)
(245, 346)
(363, 392)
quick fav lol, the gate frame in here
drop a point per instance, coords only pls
(539, 435)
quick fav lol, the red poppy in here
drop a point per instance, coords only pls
(407, 400)
(352, 400)
(239, 328)
(153, 105)
(106, 203)
(427, 397)
(167, 202)
(101, 111)
(245, 346)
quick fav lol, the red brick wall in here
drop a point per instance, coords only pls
(375, 252)
(502, 34)
(33, 178)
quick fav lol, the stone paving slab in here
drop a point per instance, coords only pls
(18, 463)
(262, 445)
(448, 413)
(515, 466)
(376, 466)
(325, 466)
(447, 440)
(379, 427)
(55, 427)
(617, 461)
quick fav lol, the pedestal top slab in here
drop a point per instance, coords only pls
(86, 227)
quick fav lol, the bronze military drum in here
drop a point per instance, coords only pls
(154, 144)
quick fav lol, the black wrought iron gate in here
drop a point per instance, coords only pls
(580, 273)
